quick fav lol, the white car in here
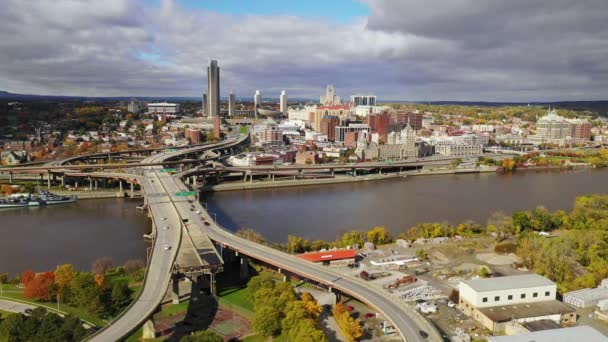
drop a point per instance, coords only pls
(167, 247)
(163, 219)
(166, 227)
(451, 304)
(198, 211)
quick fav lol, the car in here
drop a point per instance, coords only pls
(166, 227)
(198, 212)
(163, 219)
(350, 308)
(167, 247)
(451, 304)
(423, 334)
(370, 315)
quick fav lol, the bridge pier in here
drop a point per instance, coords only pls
(132, 191)
(212, 285)
(10, 178)
(120, 186)
(244, 270)
(48, 180)
(149, 331)
(63, 181)
(96, 185)
(90, 184)
(175, 289)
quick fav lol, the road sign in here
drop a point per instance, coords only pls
(185, 193)
(171, 150)
(169, 170)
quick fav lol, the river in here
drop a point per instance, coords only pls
(77, 233)
(324, 212)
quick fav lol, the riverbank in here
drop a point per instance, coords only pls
(268, 184)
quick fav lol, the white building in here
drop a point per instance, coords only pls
(283, 102)
(163, 107)
(257, 101)
(582, 333)
(364, 111)
(330, 97)
(231, 104)
(520, 289)
(133, 106)
(301, 112)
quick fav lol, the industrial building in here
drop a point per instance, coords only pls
(586, 298)
(579, 333)
(495, 302)
(340, 257)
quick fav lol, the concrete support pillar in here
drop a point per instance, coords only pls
(96, 185)
(90, 184)
(132, 191)
(120, 186)
(244, 177)
(149, 331)
(63, 181)
(175, 292)
(48, 181)
(212, 286)
(273, 177)
(286, 278)
(244, 269)
(10, 178)
(355, 172)
(251, 178)
(332, 171)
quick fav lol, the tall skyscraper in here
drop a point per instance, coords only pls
(231, 104)
(205, 105)
(283, 102)
(213, 89)
(257, 102)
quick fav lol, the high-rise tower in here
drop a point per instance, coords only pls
(283, 102)
(205, 105)
(231, 103)
(213, 89)
(257, 102)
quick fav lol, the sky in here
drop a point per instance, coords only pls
(432, 50)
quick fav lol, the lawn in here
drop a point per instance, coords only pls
(172, 309)
(3, 313)
(10, 291)
(238, 299)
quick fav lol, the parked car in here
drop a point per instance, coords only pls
(370, 315)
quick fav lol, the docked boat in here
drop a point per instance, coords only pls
(51, 198)
(23, 200)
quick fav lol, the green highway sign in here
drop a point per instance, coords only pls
(171, 150)
(185, 193)
(169, 170)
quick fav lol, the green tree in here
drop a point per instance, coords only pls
(267, 321)
(378, 236)
(121, 296)
(351, 238)
(306, 331)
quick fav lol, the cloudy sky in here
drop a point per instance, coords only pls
(493, 50)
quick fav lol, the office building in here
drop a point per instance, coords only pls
(301, 112)
(205, 105)
(217, 127)
(231, 104)
(496, 302)
(342, 131)
(363, 100)
(328, 126)
(257, 102)
(213, 88)
(270, 134)
(163, 108)
(367, 150)
(283, 103)
(133, 106)
(379, 123)
(330, 97)
(364, 111)
(581, 130)
(413, 118)
(341, 111)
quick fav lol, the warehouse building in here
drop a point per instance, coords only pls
(586, 298)
(494, 302)
(340, 257)
(580, 333)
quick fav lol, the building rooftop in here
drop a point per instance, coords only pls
(329, 255)
(506, 313)
(580, 333)
(508, 282)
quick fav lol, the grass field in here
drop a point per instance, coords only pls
(238, 299)
(173, 309)
(5, 313)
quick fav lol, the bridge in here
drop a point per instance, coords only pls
(184, 240)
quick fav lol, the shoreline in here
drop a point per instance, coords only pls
(236, 186)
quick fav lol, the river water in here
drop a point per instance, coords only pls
(77, 233)
(324, 212)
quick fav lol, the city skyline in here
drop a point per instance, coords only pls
(547, 51)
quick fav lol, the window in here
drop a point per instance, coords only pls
(535, 294)
(547, 293)
(497, 298)
(510, 297)
(523, 295)
(485, 299)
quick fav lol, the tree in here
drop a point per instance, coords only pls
(351, 238)
(263, 280)
(134, 265)
(350, 327)
(27, 276)
(378, 236)
(40, 287)
(64, 274)
(86, 293)
(455, 162)
(11, 328)
(501, 224)
(308, 161)
(294, 312)
(484, 271)
(100, 280)
(312, 307)
(251, 235)
(121, 295)
(306, 331)
(422, 254)
(267, 321)
(521, 221)
(508, 164)
(101, 265)
(202, 336)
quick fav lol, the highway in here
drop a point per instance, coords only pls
(173, 211)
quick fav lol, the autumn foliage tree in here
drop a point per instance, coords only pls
(40, 287)
(27, 276)
(350, 327)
